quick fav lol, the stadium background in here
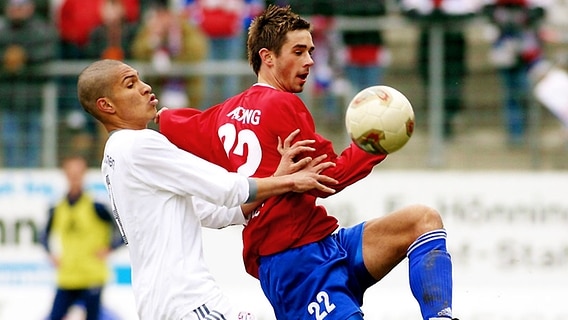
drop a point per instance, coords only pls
(505, 208)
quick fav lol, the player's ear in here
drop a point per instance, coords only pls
(104, 105)
(266, 56)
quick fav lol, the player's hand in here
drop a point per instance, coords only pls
(289, 151)
(54, 260)
(102, 254)
(310, 176)
(305, 180)
(157, 117)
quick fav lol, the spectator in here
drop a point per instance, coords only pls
(515, 50)
(455, 71)
(26, 42)
(327, 73)
(76, 20)
(365, 52)
(165, 37)
(42, 8)
(114, 37)
(86, 235)
(222, 22)
(454, 47)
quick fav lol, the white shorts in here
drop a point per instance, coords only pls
(219, 308)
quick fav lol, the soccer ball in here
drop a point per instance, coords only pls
(379, 120)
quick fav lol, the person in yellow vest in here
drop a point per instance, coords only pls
(85, 234)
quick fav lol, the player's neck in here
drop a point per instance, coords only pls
(263, 84)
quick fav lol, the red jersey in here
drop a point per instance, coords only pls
(241, 135)
(76, 19)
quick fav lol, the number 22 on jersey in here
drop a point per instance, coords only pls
(235, 142)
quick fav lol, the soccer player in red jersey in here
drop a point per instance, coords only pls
(309, 267)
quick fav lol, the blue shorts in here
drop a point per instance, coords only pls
(322, 280)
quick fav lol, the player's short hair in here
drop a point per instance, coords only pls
(74, 158)
(269, 30)
(94, 82)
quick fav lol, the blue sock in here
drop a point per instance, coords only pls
(430, 273)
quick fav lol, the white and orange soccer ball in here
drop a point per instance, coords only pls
(380, 119)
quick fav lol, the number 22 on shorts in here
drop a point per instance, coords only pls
(321, 307)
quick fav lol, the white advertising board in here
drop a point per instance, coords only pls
(507, 233)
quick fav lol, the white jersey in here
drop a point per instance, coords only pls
(161, 196)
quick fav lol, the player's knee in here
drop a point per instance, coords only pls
(427, 219)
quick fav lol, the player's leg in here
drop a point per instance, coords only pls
(63, 300)
(311, 282)
(417, 232)
(92, 298)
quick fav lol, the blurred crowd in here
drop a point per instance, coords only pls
(162, 32)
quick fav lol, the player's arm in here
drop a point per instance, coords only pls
(289, 164)
(217, 217)
(185, 174)
(351, 165)
(44, 238)
(306, 179)
(105, 215)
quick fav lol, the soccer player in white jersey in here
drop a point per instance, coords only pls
(161, 196)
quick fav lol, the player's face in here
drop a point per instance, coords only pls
(133, 99)
(75, 169)
(292, 67)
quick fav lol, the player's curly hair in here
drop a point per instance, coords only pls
(269, 31)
